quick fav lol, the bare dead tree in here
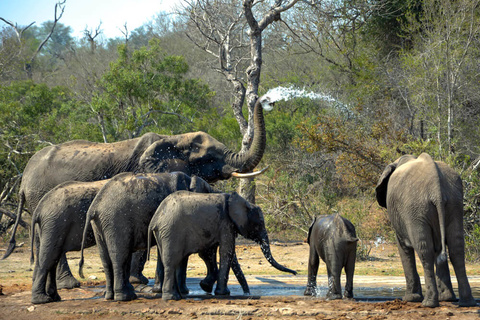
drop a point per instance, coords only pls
(230, 31)
(91, 35)
(59, 9)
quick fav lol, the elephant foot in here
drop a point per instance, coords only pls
(348, 294)
(170, 296)
(124, 296)
(183, 290)
(413, 297)
(333, 296)
(206, 286)
(138, 279)
(310, 291)
(430, 303)
(40, 298)
(108, 295)
(222, 292)
(447, 295)
(157, 288)
(67, 282)
(55, 297)
(471, 302)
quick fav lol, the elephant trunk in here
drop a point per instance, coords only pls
(265, 246)
(249, 160)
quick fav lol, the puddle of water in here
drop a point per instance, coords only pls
(276, 286)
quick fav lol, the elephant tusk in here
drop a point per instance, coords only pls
(250, 174)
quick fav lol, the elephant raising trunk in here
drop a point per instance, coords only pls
(248, 161)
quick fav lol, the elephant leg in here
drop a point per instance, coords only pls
(227, 248)
(181, 274)
(159, 274)
(52, 283)
(209, 256)
(107, 267)
(122, 290)
(313, 263)
(237, 271)
(170, 264)
(138, 263)
(65, 278)
(456, 249)
(334, 288)
(427, 257)
(444, 282)
(349, 271)
(413, 291)
(39, 284)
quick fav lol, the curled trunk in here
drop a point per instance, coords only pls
(249, 160)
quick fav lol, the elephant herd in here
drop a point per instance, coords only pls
(154, 190)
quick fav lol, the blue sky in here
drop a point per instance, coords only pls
(86, 13)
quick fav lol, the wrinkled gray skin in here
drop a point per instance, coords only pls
(59, 220)
(194, 153)
(333, 239)
(424, 200)
(120, 214)
(187, 223)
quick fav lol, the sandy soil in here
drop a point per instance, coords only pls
(382, 270)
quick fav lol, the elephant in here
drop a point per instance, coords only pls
(60, 221)
(194, 153)
(187, 223)
(424, 202)
(120, 215)
(332, 238)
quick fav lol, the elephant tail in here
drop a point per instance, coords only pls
(32, 237)
(149, 242)
(441, 219)
(12, 243)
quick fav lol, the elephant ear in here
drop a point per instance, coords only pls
(310, 229)
(199, 185)
(381, 188)
(163, 156)
(238, 211)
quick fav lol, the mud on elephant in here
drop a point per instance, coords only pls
(194, 153)
(424, 201)
(187, 223)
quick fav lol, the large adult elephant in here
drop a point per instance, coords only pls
(424, 201)
(194, 153)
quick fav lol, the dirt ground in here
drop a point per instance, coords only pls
(382, 270)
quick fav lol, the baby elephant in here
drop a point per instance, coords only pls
(333, 238)
(187, 222)
(60, 220)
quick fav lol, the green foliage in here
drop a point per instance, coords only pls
(363, 148)
(471, 201)
(147, 90)
(34, 115)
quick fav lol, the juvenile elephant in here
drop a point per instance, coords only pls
(60, 221)
(194, 153)
(333, 239)
(424, 201)
(120, 214)
(187, 223)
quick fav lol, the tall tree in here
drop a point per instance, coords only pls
(232, 32)
(442, 65)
